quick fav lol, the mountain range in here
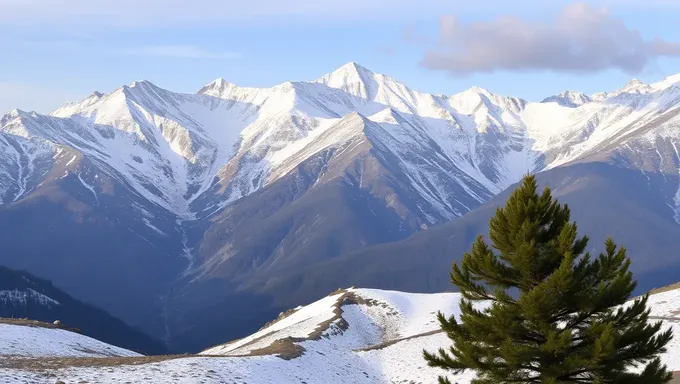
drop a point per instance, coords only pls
(197, 217)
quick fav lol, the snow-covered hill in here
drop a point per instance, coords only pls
(227, 141)
(33, 340)
(351, 336)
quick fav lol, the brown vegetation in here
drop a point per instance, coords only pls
(38, 324)
(50, 363)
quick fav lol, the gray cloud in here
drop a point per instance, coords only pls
(581, 39)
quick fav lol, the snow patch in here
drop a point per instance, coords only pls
(89, 187)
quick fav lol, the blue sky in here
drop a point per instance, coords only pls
(56, 51)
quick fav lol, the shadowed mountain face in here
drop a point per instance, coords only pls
(604, 200)
(198, 217)
(95, 247)
(23, 295)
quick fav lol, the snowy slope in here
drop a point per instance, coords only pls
(24, 296)
(370, 317)
(150, 139)
(194, 154)
(352, 336)
(36, 341)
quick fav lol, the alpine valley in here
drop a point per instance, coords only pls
(198, 217)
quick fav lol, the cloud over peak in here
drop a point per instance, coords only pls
(580, 39)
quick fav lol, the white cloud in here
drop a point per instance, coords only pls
(32, 97)
(580, 39)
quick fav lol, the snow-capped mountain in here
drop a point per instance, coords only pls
(236, 190)
(365, 336)
(228, 141)
(569, 99)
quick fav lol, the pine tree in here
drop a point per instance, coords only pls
(537, 308)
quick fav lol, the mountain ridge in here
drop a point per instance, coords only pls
(189, 144)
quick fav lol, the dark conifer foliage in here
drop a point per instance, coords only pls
(537, 308)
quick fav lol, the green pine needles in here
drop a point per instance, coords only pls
(537, 308)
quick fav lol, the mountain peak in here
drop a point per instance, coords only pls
(140, 87)
(478, 90)
(354, 69)
(69, 109)
(217, 87)
(142, 84)
(570, 99)
(220, 83)
(599, 96)
(352, 78)
(633, 86)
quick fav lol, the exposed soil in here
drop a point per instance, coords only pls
(289, 348)
(286, 349)
(665, 289)
(676, 378)
(392, 342)
(51, 363)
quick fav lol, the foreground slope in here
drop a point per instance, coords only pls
(24, 296)
(351, 336)
(31, 339)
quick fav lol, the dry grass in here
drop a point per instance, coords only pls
(286, 349)
(36, 324)
(51, 363)
(665, 289)
(392, 342)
